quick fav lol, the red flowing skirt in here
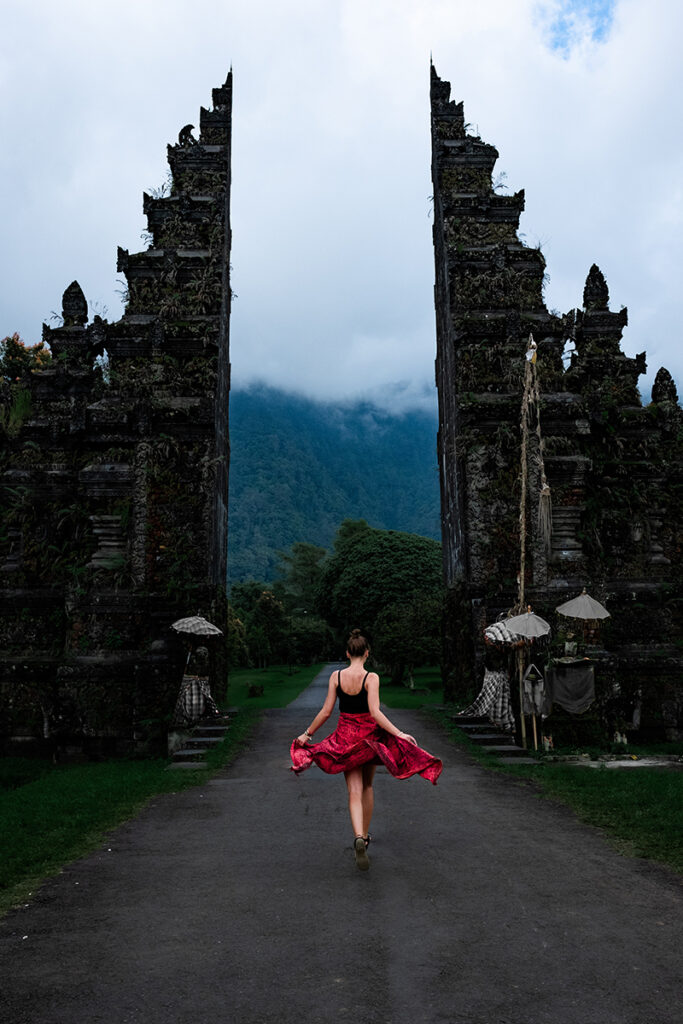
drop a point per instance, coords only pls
(359, 740)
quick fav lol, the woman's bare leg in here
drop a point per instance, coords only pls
(354, 783)
(368, 796)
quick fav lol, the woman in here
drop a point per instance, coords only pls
(364, 738)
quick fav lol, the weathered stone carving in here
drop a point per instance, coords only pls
(664, 388)
(595, 293)
(74, 306)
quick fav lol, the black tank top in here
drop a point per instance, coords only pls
(353, 703)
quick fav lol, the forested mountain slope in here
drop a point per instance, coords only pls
(299, 467)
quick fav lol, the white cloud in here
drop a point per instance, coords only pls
(331, 179)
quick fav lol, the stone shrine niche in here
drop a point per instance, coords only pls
(614, 466)
(114, 505)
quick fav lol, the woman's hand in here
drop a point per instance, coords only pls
(302, 740)
(406, 736)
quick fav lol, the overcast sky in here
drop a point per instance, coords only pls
(332, 250)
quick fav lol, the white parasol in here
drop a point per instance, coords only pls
(528, 624)
(583, 607)
(195, 625)
(193, 628)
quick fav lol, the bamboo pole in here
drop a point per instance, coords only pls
(524, 462)
(520, 672)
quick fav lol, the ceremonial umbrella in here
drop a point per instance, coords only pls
(193, 628)
(529, 626)
(583, 607)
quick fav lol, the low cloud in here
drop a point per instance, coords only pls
(332, 249)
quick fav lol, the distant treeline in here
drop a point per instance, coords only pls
(298, 468)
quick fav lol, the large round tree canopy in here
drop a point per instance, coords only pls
(372, 569)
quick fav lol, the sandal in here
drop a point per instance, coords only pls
(361, 853)
(367, 840)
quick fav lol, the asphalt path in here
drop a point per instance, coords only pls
(239, 901)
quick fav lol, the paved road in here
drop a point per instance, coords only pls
(239, 902)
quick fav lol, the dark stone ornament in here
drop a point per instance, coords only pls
(664, 387)
(596, 293)
(74, 306)
(222, 97)
(185, 136)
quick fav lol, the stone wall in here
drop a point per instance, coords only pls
(614, 466)
(114, 489)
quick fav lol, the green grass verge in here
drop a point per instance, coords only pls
(428, 690)
(65, 811)
(18, 771)
(281, 684)
(640, 809)
(639, 749)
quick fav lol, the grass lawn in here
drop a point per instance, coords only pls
(640, 809)
(281, 684)
(50, 815)
(428, 690)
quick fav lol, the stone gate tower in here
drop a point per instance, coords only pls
(115, 487)
(614, 467)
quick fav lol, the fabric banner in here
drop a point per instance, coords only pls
(572, 685)
(494, 701)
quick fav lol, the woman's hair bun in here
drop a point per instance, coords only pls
(356, 645)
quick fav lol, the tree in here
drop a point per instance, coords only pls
(300, 571)
(267, 630)
(311, 639)
(408, 634)
(372, 569)
(244, 596)
(349, 531)
(236, 645)
(19, 360)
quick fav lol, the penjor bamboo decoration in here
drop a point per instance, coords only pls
(530, 397)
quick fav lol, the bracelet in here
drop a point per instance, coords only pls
(307, 733)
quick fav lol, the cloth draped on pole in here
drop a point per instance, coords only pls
(535, 698)
(572, 685)
(194, 701)
(498, 633)
(494, 701)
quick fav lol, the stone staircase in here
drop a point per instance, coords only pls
(492, 740)
(203, 737)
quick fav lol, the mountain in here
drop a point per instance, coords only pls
(299, 467)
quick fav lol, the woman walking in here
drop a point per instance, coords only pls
(364, 738)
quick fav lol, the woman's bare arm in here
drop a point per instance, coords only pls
(323, 714)
(372, 685)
